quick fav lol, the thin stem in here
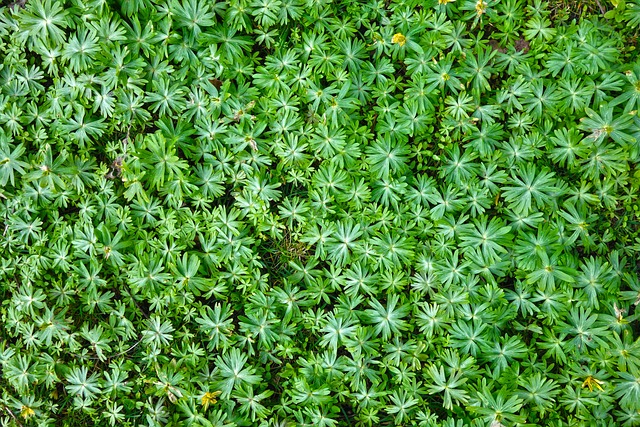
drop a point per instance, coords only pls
(6, 408)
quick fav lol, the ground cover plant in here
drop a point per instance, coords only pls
(318, 213)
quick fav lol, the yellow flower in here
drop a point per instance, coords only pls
(445, 1)
(209, 398)
(591, 382)
(481, 7)
(399, 38)
(26, 412)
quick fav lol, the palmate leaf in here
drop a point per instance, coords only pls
(631, 92)
(626, 350)
(444, 75)
(480, 68)
(388, 320)
(500, 408)
(231, 45)
(389, 192)
(459, 167)
(193, 417)
(460, 107)
(515, 93)
(160, 160)
(80, 50)
(573, 398)
(446, 200)
(468, 336)
(530, 186)
(339, 108)
(336, 331)
(548, 271)
(82, 128)
(602, 125)
(112, 246)
(451, 386)
(27, 230)
(595, 278)
(485, 139)
(266, 11)
(327, 141)
(10, 162)
(149, 278)
(217, 324)
(260, 324)
(393, 250)
(503, 352)
(538, 391)
(568, 147)
(539, 29)
(401, 406)
(158, 333)
(81, 385)
(564, 60)
(134, 7)
(544, 100)
(232, 368)
(19, 370)
(603, 88)
(45, 20)
(185, 273)
(167, 97)
(492, 238)
(192, 15)
(597, 53)
(97, 338)
(603, 160)
(582, 325)
(250, 402)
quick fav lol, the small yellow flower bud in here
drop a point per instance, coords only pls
(481, 7)
(209, 398)
(399, 38)
(26, 412)
(591, 383)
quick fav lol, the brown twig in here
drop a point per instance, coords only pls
(10, 412)
(602, 9)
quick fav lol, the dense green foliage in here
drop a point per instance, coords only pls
(317, 213)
